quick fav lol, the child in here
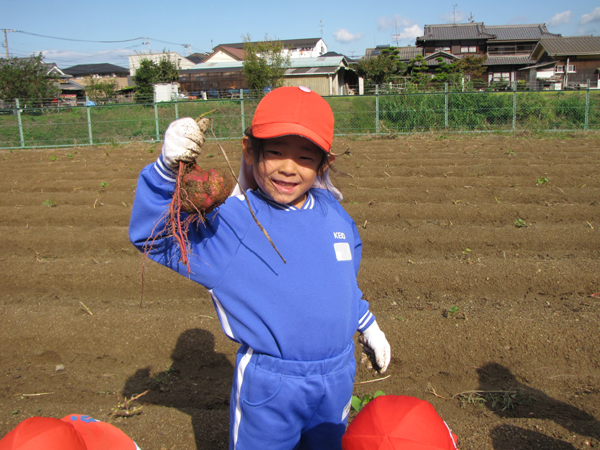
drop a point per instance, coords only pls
(295, 320)
(398, 422)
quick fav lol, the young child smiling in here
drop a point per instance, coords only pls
(295, 320)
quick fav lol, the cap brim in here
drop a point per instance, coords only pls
(273, 130)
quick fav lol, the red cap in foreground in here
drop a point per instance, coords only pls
(294, 110)
(73, 432)
(398, 422)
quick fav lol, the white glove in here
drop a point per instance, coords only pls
(373, 341)
(183, 141)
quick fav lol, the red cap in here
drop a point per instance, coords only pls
(73, 432)
(398, 422)
(294, 110)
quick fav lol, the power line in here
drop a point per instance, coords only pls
(77, 40)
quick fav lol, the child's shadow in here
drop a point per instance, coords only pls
(530, 403)
(198, 383)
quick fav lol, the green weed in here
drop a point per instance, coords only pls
(49, 203)
(453, 310)
(70, 155)
(359, 403)
(104, 185)
(53, 158)
(497, 400)
(520, 223)
(542, 180)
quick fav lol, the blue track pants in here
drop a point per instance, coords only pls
(290, 405)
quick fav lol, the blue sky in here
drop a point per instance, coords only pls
(346, 27)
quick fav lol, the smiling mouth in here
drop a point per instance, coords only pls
(284, 185)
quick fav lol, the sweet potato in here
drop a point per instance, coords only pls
(201, 191)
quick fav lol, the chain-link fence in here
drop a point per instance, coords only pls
(379, 112)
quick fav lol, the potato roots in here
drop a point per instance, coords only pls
(197, 193)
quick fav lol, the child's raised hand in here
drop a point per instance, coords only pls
(373, 342)
(183, 141)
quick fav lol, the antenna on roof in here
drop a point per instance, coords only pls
(455, 5)
(470, 19)
(396, 35)
(321, 27)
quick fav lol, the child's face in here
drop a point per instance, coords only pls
(288, 170)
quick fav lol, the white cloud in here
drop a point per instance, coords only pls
(343, 36)
(409, 33)
(453, 17)
(594, 16)
(560, 18)
(392, 23)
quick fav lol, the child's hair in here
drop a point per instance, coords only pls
(259, 153)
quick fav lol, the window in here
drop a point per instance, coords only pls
(504, 76)
(468, 49)
(444, 49)
(559, 69)
(571, 68)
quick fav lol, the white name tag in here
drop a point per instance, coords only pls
(342, 251)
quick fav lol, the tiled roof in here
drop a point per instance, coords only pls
(474, 30)
(508, 60)
(478, 30)
(532, 32)
(96, 69)
(404, 53)
(571, 45)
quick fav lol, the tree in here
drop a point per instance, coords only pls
(472, 66)
(99, 90)
(264, 63)
(417, 70)
(377, 70)
(383, 67)
(26, 78)
(150, 73)
(444, 72)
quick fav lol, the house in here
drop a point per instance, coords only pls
(326, 75)
(197, 58)
(565, 63)
(295, 48)
(507, 48)
(405, 54)
(69, 90)
(135, 60)
(82, 73)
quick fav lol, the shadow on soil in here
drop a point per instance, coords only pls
(529, 403)
(197, 382)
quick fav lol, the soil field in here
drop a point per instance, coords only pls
(481, 262)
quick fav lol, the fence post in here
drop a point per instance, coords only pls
(376, 109)
(89, 119)
(19, 122)
(243, 117)
(156, 117)
(514, 119)
(176, 107)
(446, 105)
(587, 106)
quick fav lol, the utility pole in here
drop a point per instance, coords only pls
(6, 40)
